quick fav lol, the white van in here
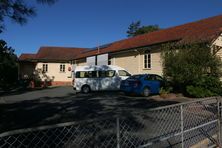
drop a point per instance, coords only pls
(96, 78)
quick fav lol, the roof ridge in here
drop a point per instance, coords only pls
(63, 47)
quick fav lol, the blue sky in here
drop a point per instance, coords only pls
(88, 23)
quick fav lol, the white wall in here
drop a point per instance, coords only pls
(54, 71)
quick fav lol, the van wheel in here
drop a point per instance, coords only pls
(146, 92)
(85, 89)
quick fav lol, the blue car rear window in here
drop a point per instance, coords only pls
(136, 77)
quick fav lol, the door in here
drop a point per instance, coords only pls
(108, 80)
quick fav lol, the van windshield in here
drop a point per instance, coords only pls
(123, 73)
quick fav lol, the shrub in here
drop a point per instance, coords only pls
(192, 69)
(199, 92)
(164, 91)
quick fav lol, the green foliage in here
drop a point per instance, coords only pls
(206, 85)
(165, 90)
(135, 29)
(199, 92)
(146, 29)
(8, 66)
(192, 69)
(18, 11)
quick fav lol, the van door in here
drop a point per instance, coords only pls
(107, 80)
(93, 80)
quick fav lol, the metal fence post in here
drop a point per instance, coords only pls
(219, 120)
(117, 133)
(182, 126)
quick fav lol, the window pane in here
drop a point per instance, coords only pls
(63, 68)
(92, 74)
(149, 56)
(145, 65)
(123, 73)
(110, 73)
(158, 78)
(102, 74)
(147, 59)
(82, 74)
(45, 67)
(150, 77)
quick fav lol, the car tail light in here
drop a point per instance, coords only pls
(137, 83)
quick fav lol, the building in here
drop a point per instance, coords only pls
(140, 54)
(52, 64)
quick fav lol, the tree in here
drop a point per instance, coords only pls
(18, 11)
(135, 29)
(8, 66)
(192, 69)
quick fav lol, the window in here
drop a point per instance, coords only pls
(123, 73)
(62, 68)
(92, 74)
(102, 74)
(110, 73)
(147, 59)
(45, 68)
(150, 77)
(109, 61)
(96, 60)
(81, 74)
(154, 77)
(159, 78)
(95, 74)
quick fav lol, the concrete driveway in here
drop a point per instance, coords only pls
(61, 104)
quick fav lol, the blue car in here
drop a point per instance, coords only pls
(143, 84)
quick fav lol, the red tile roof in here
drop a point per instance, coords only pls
(53, 54)
(203, 30)
(200, 31)
(26, 57)
(58, 53)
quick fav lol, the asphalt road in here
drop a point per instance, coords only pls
(61, 104)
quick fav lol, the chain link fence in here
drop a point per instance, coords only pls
(182, 125)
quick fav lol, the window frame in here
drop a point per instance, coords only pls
(62, 68)
(147, 62)
(44, 68)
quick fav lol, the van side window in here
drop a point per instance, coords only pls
(81, 74)
(95, 74)
(102, 74)
(110, 73)
(92, 74)
(123, 73)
